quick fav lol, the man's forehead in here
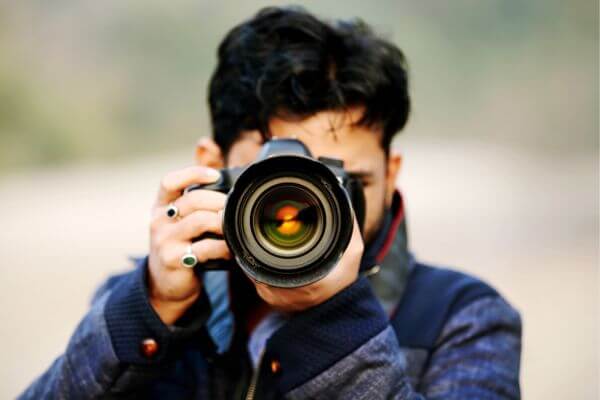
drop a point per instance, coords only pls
(325, 126)
(333, 134)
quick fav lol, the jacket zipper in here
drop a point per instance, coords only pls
(254, 380)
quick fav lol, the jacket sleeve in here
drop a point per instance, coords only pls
(347, 350)
(103, 357)
(478, 354)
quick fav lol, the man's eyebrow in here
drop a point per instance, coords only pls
(361, 173)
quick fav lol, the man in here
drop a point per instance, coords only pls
(379, 325)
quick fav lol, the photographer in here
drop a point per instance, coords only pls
(379, 324)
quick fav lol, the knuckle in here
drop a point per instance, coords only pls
(223, 248)
(203, 172)
(201, 199)
(155, 225)
(166, 184)
(191, 226)
(360, 248)
(161, 235)
(164, 257)
(188, 200)
(215, 218)
(202, 219)
(217, 223)
(171, 267)
(200, 254)
(158, 239)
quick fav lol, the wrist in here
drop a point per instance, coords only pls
(132, 317)
(170, 311)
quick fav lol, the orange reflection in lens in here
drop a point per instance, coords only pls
(289, 225)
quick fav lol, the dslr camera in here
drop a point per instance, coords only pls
(288, 216)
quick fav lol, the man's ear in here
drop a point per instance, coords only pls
(394, 164)
(208, 153)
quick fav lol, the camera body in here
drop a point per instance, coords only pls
(288, 217)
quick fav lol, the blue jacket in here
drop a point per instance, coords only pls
(403, 330)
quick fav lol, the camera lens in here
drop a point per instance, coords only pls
(287, 223)
(286, 220)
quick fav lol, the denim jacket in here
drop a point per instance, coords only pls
(403, 330)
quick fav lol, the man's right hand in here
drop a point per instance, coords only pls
(173, 287)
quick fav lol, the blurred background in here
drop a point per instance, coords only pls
(99, 99)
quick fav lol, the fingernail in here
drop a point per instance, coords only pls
(211, 172)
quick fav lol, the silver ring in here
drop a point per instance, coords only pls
(172, 211)
(189, 259)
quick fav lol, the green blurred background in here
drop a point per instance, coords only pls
(83, 80)
(98, 99)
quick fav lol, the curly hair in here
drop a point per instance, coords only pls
(285, 62)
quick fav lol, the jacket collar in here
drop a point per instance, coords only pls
(386, 260)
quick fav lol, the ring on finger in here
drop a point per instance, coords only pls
(172, 211)
(189, 259)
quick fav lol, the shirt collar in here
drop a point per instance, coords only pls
(392, 229)
(386, 260)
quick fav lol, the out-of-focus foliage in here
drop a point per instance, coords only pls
(103, 79)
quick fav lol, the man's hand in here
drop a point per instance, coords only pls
(173, 287)
(302, 298)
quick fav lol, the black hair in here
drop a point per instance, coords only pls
(285, 62)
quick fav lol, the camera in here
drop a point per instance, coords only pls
(288, 216)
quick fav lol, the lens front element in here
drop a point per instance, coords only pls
(287, 223)
(287, 220)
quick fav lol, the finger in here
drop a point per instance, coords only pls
(349, 264)
(195, 224)
(204, 250)
(197, 200)
(173, 183)
(356, 235)
(211, 249)
(357, 242)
